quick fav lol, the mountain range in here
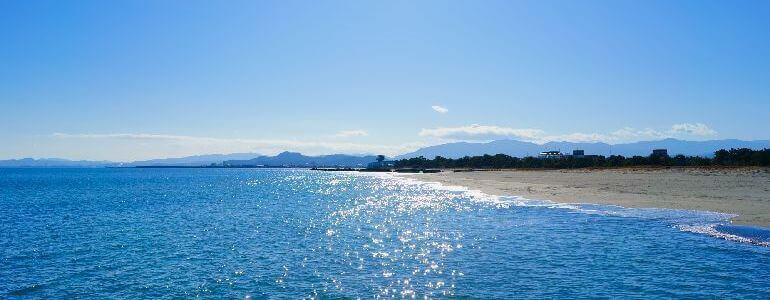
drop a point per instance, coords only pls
(521, 149)
(196, 160)
(285, 159)
(52, 162)
(449, 150)
(294, 159)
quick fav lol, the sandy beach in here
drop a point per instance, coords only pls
(743, 191)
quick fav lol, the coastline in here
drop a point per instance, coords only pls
(744, 192)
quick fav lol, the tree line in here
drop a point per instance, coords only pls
(732, 157)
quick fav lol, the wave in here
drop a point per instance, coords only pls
(742, 234)
(714, 224)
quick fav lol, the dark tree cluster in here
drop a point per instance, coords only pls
(732, 157)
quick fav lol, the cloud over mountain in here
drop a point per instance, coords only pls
(476, 132)
(440, 109)
(351, 133)
(480, 132)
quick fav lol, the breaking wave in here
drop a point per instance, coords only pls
(714, 224)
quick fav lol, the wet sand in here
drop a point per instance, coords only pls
(743, 191)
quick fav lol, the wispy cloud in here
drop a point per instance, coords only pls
(698, 129)
(137, 146)
(351, 133)
(440, 109)
(478, 132)
(149, 145)
(132, 136)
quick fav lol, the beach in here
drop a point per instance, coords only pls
(744, 192)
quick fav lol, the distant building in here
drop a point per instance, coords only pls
(550, 154)
(578, 153)
(385, 164)
(659, 152)
(381, 163)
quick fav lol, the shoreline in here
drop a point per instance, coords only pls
(744, 192)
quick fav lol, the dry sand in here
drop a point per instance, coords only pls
(744, 191)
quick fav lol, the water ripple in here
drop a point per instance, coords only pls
(143, 233)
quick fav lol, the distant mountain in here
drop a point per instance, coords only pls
(235, 159)
(52, 163)
(460, 149)
(521, 149)
(450, 150)
(196, 160)
(674, 146)
(293, 159)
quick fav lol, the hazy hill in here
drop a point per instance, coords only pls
(294, 159)
(460, 149)
(196, 160)
(521, 149)
(450, 150)
(235, 159)
(51, 163)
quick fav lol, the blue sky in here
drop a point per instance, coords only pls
(126, 80)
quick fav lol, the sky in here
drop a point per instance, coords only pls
(130, 80)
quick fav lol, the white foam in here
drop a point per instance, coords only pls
(712, 231)
(700, 222)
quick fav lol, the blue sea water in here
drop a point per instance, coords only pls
(283, 233)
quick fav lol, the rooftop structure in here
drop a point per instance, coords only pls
(550, 154)
(381, 164)
(660, 152)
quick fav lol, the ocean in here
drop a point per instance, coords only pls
(291, 233)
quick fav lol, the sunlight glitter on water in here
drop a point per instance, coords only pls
(299, 233)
